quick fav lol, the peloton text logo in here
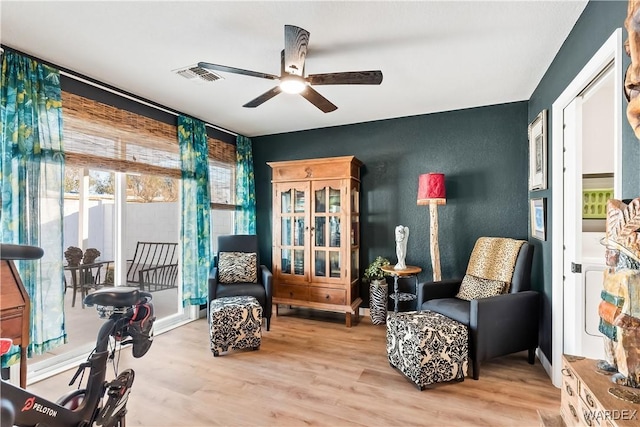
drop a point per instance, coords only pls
(30, 404)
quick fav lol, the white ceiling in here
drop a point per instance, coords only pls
(435, 56)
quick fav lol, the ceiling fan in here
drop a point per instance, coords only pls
(292, 74)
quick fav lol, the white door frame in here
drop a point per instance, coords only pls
(611, 50)
(572, 230)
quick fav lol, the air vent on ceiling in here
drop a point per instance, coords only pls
(194, 72)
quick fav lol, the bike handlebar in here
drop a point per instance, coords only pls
(10, 251)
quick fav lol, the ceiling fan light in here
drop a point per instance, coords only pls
(293, 84)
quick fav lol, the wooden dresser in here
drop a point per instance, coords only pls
(586, 400)
(14, 313)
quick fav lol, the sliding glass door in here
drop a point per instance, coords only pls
(152, 214)
(106, 225)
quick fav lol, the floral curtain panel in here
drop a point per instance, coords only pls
(196, 204)
(245, 222)
(31, 181)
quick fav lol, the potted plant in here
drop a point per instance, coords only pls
(373, 272)
(378, 290)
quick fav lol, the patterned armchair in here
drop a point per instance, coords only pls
(237, 271)
(494, 300)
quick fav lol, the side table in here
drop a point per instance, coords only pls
(397, 296)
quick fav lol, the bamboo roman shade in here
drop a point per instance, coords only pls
(104, 137)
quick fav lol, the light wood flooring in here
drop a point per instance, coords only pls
(312, 370)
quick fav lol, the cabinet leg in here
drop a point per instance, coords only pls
(347, 318)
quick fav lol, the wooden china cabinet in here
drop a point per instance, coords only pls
(316, 234)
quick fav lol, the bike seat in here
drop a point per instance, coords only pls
(9, 251)
(120, 296)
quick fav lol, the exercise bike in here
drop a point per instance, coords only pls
(129, 320)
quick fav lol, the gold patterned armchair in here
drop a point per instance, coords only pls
(494, 300)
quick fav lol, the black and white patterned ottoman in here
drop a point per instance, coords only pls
(235, 323)
(427, 347)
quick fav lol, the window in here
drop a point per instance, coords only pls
(122, 186)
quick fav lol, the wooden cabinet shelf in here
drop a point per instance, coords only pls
(316, 234)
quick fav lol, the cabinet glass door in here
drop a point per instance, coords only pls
(334, 264)
(355, 231)
(293, 230)
(327, 229)
(334, 231)
(320, 264)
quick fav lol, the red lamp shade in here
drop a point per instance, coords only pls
(430, 188)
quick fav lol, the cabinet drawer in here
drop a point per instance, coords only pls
(569, 395)
(589, 415)
(587, 398)
(327, 295)
(569, 413)
(570, 403)
(297, 292)
(11, 324)
(569, 378)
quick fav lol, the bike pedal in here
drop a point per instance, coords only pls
(118, 392)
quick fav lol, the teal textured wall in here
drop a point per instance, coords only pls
(482, 152)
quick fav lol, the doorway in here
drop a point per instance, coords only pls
(586, 130)
(589, 175)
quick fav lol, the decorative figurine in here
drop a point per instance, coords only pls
(402, 235)
(632, 76)
(619, 309)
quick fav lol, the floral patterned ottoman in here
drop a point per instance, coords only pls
(235, 322)
(427, 347)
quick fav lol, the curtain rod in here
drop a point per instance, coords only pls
(133, 98)
(75, 76)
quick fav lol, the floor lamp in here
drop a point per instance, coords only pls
(431, 191)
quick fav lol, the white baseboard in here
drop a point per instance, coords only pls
(545, 363)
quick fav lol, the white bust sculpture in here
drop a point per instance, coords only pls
(402, 235)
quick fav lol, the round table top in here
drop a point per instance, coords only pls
(409, 271)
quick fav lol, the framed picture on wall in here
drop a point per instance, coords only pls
(538, 152)
(538, 214)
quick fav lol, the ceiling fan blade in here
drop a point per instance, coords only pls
(282, 63)
(318, 100)
(263, 98)
(296, 40)
(233, 70)
(346, 78)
